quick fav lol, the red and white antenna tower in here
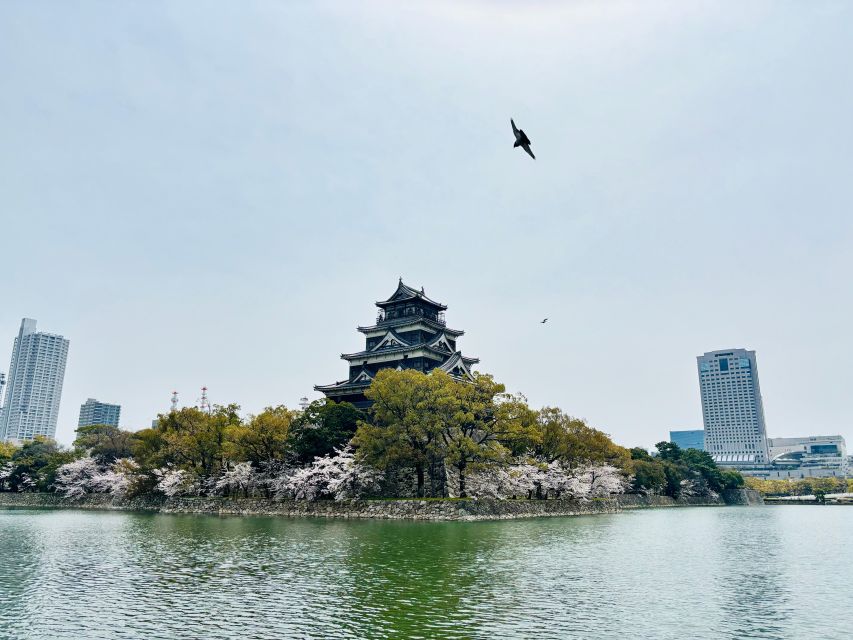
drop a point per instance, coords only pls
(174, 401)
(204, 402)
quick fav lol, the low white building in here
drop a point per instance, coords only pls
(808, 457)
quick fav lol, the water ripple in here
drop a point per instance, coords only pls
(773, 572)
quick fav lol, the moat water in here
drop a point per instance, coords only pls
(729, 572)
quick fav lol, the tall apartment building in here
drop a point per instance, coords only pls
(34, 384)
(732, 410)
(94, 412)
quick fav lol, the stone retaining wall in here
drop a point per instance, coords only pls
(462, 509)
(746, 497)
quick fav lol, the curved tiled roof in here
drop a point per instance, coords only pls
(399, 322)
(400, 349)
(457, 362)
(405, 292)
(363, 379)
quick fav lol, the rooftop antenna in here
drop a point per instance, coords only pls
(174, 401)
(204, 403)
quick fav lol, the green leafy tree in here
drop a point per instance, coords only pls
(34, 465)
(638, 453)
(7, 450)
(194, 439)
(649, 476)
(674, 474)
(669, 451)
(323, 427)
(483, 425)
(104, 442)
(572, 441)
(262, 439)
(405, 426)
(731, 480)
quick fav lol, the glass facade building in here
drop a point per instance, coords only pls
(690, 439)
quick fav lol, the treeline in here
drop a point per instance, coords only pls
(424, 436)
(681, 472)
(801, 487)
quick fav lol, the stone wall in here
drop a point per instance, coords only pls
(459, 509)
(745, 497)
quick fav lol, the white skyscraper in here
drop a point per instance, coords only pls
(731, 408)
(34, 384)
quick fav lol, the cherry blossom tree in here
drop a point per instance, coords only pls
(27, 482)
(75, 478)
(338, 476)
(306, 483)
(350, 479)
(6, 471)
(86, 475)
(604, 480)
(688, 489)
(174, 482)
(500, 482)
(116, 479)
(240, 478)
(562, 482)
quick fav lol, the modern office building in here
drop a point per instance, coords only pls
(94, 412)
(732, 410)
(807, 457)
(690, 439)
(34, 384)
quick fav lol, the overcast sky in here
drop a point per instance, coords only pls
(215, 193)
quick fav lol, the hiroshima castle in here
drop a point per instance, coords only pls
(410, 333)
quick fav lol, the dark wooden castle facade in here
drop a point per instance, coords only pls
(410, 333)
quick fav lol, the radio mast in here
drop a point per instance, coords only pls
(204, 402)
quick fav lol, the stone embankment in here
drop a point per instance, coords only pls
(457, 509)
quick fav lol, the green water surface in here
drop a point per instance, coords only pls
(733, 572)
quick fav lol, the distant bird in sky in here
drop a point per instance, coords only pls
(544, 321)
(521, 139)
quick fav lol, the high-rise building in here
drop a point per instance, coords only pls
(691, 439)
(34, 385)
(94, 412)
(732, 410)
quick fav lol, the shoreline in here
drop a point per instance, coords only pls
(827, 503)
(465, 509)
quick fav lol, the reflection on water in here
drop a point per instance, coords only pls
(772, 572)
(757, 603)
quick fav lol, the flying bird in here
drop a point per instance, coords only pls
(544, 321)
(521, 139)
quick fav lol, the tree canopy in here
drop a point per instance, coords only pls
(428, 435)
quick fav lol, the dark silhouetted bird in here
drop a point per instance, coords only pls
(544, 321)
(521, 139)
